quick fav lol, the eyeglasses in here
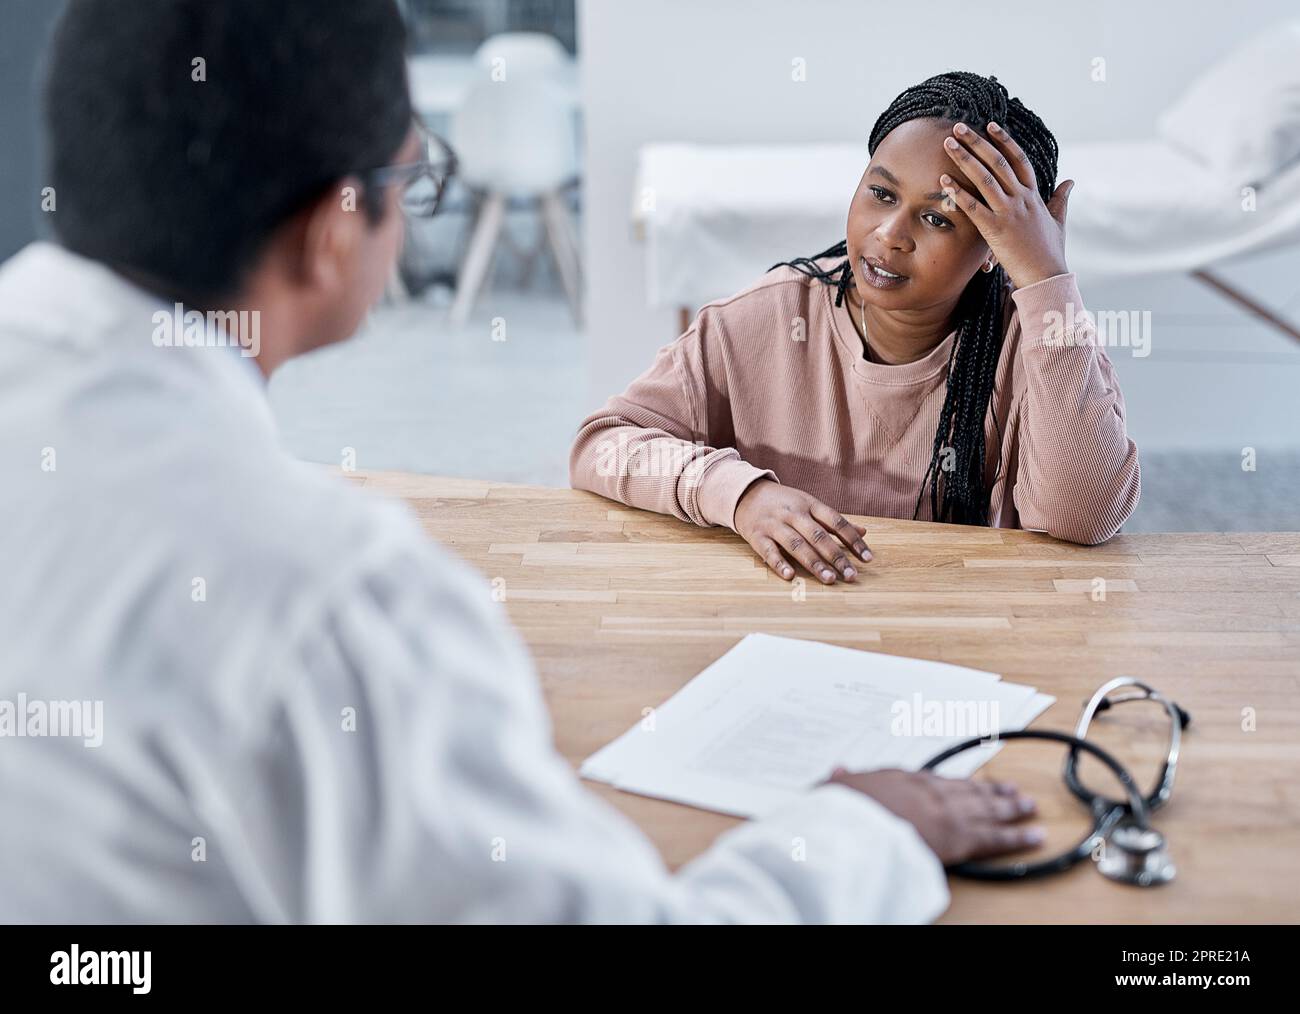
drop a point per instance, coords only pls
(424, 181)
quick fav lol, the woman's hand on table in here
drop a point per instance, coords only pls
(783, 524)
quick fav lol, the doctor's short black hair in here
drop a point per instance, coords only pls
(182, 133)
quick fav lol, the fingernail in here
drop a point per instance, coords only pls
(960, 128)
(994, 127)
(850, 572)
(1035, 836)
(866, 555)
(950, 142)
(945, 178)
(786, 572)
(827, 576)
(1026, 805)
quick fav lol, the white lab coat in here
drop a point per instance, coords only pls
(310, 711)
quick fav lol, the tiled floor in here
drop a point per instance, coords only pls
(413, 393)
(1199, 491)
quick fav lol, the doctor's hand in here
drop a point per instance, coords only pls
(960, 819)
(783, 524)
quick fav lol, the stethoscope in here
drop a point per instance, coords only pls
(1132, 851)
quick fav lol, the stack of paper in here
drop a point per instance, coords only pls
(774, 716)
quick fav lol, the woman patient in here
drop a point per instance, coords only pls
(937, 364)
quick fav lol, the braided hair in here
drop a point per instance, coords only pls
(955, 476)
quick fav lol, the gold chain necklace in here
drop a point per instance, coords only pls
(866, 345)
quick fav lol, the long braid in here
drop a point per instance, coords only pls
(841, 277)
(955, 475)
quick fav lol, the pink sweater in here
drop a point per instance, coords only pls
(739, 396)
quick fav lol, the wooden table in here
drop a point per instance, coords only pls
(621, 608)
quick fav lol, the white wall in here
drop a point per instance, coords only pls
(719, 71)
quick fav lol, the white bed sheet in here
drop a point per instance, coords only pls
(1141, 207)
(715, 217)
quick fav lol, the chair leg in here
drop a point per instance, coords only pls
(478, 257)
(560, 233)
(527, 254)
(396, 291)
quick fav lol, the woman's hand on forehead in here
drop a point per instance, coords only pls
(1026, 235)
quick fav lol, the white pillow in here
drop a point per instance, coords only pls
(1242, 118)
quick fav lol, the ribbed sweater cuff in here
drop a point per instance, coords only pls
(721, 487)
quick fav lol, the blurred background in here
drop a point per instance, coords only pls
(621, 164)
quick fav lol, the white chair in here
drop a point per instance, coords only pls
(522, 54)
(516, 139)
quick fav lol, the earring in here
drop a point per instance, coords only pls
(988, 266)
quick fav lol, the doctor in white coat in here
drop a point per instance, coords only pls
(234, 688)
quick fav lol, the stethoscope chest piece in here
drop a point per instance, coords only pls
(1135, 855)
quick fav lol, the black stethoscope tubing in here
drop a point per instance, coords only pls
(1106, 813)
